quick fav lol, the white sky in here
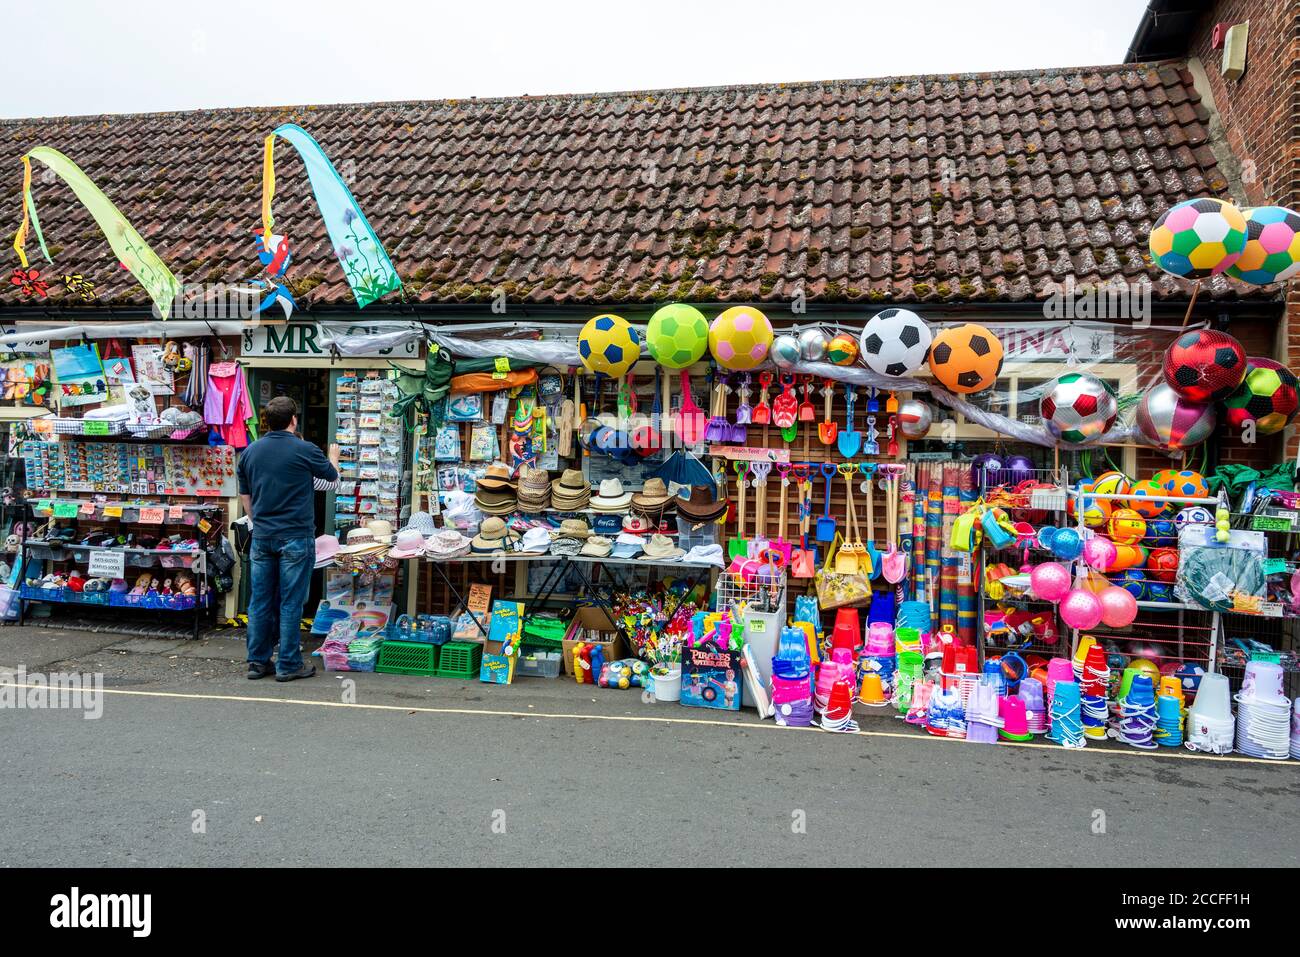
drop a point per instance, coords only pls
(93, 56)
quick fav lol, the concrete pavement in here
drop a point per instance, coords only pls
(193, 764)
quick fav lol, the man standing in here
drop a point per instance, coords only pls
(276, 475)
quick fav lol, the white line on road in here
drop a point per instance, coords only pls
(734, 725)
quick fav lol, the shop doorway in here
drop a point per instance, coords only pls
(310, 389)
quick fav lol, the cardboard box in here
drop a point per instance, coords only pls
(588, 620)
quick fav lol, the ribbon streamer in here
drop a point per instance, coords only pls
(366, 265)
(131, 249)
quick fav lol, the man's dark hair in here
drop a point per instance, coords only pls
(280, 412)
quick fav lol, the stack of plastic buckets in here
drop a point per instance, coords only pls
(792, 680)
(1295, 729)
(1014, 725)
(960, 670)
(1169, 721)
(1058, 669)
(1031, 693)
(879, 659)
(1067, 724)
(1137, 711)
(1210, 726)
(1263, 713)
(1092, 690)
(982, 720)
(911, 665)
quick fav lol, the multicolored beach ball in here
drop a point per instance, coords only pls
(1267, 396)
(1272, 252)
(1172, 422)
(740, 337)
(1198, 238)
(608, 345)
(1205, 365)
(842, 350)
(677, 335)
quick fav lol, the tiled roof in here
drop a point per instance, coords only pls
(980, 187)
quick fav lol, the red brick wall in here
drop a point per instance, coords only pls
(1260, 114)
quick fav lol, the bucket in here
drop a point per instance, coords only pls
(1213, 701)
(668, 687)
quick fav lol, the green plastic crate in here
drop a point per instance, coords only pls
(407, 658)
(460, 659)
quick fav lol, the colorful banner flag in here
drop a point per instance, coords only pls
(131, 250)
(366, 265)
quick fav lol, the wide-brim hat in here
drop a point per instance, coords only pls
(360, 539)
(327, 548)
(597, 547)
(421, 522)
(497, 476)
(409, 543)
(653, 495)
(381, 529)
(572, 528)
(533, 481)
(571, 482)
(661, 547)
(493, 535)
(702, 506)
(447, 543)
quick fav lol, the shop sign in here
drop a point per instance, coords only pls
(306, 340)
(107, 564)
(1057, 343)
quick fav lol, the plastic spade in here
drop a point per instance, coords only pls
(827, 430)
(871, 446)
(691, 420)
(762, 413)
(759, 543)
(785, 411)
(807, 412)
(826, 524)
(850, 440)
(744, 412)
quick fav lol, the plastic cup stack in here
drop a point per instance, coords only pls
(1295, 730)
(1169, 721)
(1031, 693)
(1210, 725)
(1264, 714)
(982, 720)
(1137, 714)
(1067, 725)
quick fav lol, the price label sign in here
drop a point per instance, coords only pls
(107, 564)
(1270, 523)
(151, 516)
(175, 513)
(66, 509)
(94, 428)
(112, 511)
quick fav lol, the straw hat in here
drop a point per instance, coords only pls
(597, 547)
(611, 497)
(497, 477)
(661, 548)
(360, 539)
(381, 529)
(702, 507)
(572, 528)
(653, 495)
(534, 489)
(493, 536)
(570, 491)
(447, 543)
(495, 501)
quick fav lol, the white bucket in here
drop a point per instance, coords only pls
(669, 687)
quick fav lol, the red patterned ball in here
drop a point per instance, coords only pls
(1205, 365)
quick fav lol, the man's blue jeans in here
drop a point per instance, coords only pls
(282, 570)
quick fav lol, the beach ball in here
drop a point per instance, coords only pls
(1078, 408)
(1198, 238)
(739, 338)
(966, 359)
(1050, 581)
(1193, 515)
(1067, 544)
(812, 344)
(1161, 532)
(786, 351)
(1140, 502)
(1272, 252)
(1099, 553)
(608, 345)
(1171, 421)
(1205, 365)
(1162, 564)
(1118, 607)
(1126, 527)
(1081, 609)
(1017, 468)
(1133, 581)
(677, 335)
(842, 350)
(1190, 674)
(1159, 591)
(914, 418)
(1128, 556)
(1267, 396)
(984, 469)
(894, 342)
(1147, 667)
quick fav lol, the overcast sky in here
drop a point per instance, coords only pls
(91, 56)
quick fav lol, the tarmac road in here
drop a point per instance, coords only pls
(191, 764)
